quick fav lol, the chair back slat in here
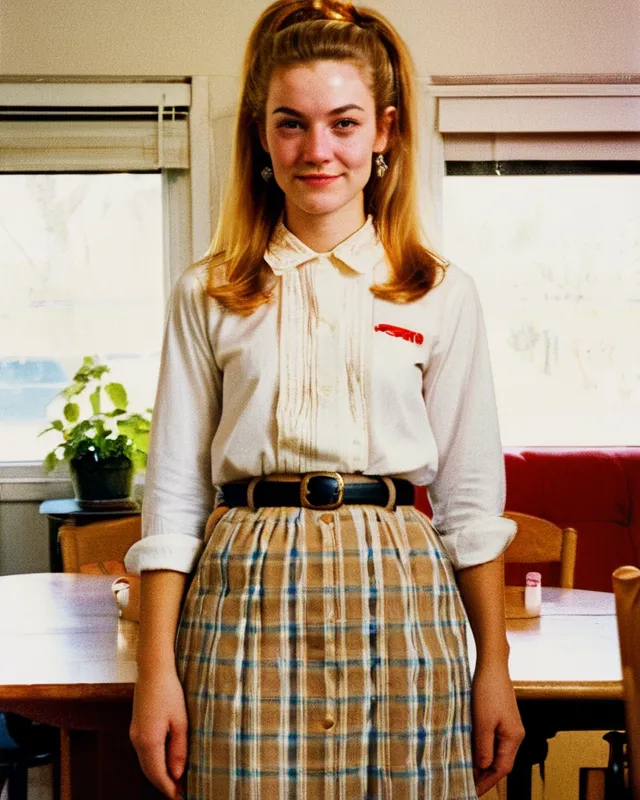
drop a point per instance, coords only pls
(539, 541)
(97, 542)
(568, 557)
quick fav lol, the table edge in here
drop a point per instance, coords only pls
(577, 690)
(61, 691)
(525, 690)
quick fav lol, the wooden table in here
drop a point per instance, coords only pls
(565, 667)
(68, 660)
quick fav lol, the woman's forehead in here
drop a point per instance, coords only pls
(318, 87)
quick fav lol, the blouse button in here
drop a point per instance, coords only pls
(328, 722)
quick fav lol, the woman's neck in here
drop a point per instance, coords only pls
(323, 232)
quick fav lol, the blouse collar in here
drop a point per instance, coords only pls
(359, 252)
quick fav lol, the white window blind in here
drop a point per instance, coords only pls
(539, 122)
(94, 128)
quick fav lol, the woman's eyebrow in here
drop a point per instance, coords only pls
(341, 110)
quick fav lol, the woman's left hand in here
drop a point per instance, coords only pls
(497, 729)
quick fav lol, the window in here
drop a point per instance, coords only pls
(81, 266)
(540, 202)
(99, 214)
(556, 258)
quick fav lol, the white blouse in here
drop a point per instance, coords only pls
(325, 377)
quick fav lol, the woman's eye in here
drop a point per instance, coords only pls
(289, 124)
(346, 124)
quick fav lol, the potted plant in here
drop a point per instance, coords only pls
(104, 446)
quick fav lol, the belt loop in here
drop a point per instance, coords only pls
(250, 490)
(391, 487)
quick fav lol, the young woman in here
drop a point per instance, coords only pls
(318, 365)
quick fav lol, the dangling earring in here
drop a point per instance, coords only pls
(381, 165)
(267, 174)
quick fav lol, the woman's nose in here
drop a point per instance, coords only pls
(317, 146)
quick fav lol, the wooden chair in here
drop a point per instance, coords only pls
(98, 547)
(539, 541)
(626, 587)
(99, 544)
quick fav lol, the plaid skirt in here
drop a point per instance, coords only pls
(323, 656)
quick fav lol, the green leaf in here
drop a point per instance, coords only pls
(56, 425)
(50, 462)
(79, 430)
(71, 412)
(94, 398)
(139, 460)
(101, 432)
(141, 441)
(91, 370)
(73, 389)
(98, 371)
(117, 394)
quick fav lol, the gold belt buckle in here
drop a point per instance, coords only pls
(304, 490)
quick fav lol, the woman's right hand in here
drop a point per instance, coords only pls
(159, 730)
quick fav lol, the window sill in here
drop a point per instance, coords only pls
(26, 482)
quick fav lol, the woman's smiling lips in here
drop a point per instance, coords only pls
(318, 180)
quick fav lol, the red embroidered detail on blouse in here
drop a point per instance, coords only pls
(401, 333)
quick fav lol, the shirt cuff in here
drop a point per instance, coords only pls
(479, 541)
(173, 551)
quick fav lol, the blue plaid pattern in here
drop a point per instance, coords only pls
(323, 657)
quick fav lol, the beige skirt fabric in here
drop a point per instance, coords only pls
(323, 657)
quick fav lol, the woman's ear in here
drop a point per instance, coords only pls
(386, 125)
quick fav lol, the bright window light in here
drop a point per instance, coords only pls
(81, 270)
(556, 259)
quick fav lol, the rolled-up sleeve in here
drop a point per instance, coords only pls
(179, 495)
(467, 494)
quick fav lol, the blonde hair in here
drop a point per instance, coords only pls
(292, 32)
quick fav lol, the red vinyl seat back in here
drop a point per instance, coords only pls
(597, 492)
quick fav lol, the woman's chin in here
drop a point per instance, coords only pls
(321, 206)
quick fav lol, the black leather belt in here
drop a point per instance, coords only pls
(322, 491)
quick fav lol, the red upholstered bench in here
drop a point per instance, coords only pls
(597, 492)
